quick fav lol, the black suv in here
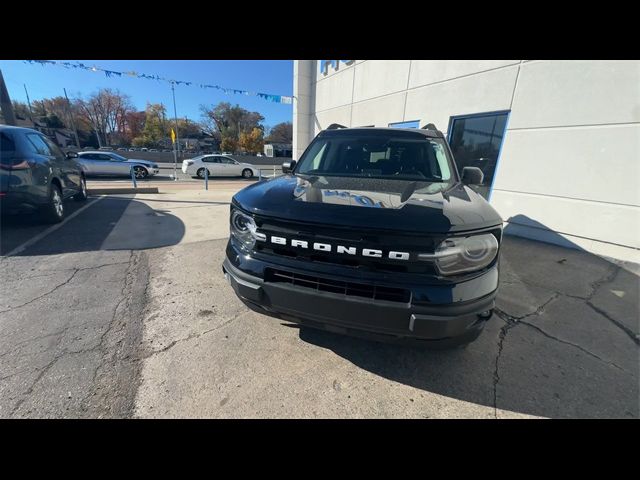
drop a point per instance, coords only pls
(35, 175)
(372, 233)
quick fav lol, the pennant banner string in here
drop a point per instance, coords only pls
(112, 73)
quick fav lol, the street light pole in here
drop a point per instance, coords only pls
(177, 145)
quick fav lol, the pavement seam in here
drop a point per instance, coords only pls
(128, 279)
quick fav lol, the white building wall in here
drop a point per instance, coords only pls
(569, 168)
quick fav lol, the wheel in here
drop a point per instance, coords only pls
(53, 211)
(247, 173)
(81, 196)
(140, 172)
(200, 172)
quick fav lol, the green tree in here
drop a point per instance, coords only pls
(251, 142)
(155, 128)
(229, 121)
(229, 144)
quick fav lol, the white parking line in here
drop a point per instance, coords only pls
(51, 229)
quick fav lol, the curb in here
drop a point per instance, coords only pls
(115, 191)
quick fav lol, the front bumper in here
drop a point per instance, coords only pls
(444, 324)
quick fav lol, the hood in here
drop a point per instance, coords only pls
(410, 206)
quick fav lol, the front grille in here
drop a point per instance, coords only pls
(374, 292)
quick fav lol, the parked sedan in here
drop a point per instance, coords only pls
(218, 166)
(109, 163)
(35, 175)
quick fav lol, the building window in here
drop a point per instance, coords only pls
(476, 141)
(410, 124)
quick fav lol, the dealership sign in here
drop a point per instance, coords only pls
(324, 65)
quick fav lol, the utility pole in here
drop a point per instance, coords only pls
(29, 103)
(5, 103)
(70, 113)
(175, 116)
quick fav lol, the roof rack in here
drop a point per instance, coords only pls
(430, 126)
(335, 126)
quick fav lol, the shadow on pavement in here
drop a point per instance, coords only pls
(562, 344)
(112, 223)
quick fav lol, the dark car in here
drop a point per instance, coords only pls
(35, 175)
(372, 232)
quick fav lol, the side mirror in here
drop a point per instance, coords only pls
(288, 166)
(472, 176)
(72, 155)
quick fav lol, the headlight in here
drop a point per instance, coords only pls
(243, 231)
(464, 254)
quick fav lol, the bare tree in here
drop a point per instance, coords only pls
(106, 111)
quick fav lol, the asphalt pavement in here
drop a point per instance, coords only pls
(123, 311)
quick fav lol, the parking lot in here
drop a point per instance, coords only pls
(123, 311)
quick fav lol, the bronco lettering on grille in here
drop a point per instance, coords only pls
(342, 249)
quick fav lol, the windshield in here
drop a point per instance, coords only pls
(378, 157)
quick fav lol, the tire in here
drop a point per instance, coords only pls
(53, 211)
(81, 196)
(140, 172)
(247, 173)
(200, 172)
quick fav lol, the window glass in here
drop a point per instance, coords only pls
(7, 149)
(7, 145)
(228, 161)
(382, 156)
(211, 159)
(39, 145)
(475, 142)
(55, 149)
(409, 124)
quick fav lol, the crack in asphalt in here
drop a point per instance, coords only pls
(29, 391)
(632, 335)
(60, 285)
(43, 371)
(128, 282)
(511, 321)
(548, 335)
(192, 336)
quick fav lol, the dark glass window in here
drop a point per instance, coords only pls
(38, 144)
(7, 145)
(475, 142)
(7, 149)
(55, 149)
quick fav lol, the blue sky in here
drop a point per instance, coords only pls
(266, 76)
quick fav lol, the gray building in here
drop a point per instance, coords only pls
(558, 141)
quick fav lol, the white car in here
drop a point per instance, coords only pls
(218, 166)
